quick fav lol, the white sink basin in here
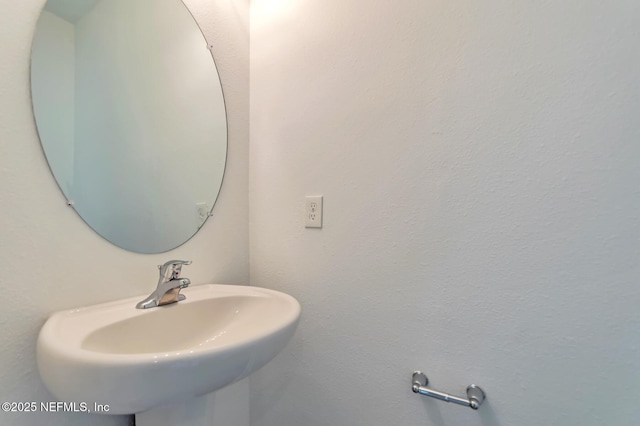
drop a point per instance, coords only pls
(136, 359)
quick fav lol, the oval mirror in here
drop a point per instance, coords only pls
(130, 112)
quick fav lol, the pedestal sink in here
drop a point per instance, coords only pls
(143, 360)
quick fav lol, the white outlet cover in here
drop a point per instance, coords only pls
(313, 211)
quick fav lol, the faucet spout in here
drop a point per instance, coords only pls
(169, 285)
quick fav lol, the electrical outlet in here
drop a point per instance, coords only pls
(313, 211)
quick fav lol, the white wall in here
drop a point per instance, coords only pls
(52, 260)
(479, 162)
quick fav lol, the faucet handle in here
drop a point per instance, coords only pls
(172, 268)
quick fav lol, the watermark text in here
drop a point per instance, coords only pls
(54, 407)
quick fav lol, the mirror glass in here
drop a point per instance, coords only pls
(131, 117)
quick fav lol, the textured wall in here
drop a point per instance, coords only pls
(51, 259)
(479, 162)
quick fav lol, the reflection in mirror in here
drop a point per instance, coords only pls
(131, 117)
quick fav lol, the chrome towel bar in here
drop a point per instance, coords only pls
(475, 395)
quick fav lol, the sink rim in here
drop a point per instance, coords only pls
(71, 346)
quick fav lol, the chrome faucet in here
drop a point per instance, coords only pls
(169, 285)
